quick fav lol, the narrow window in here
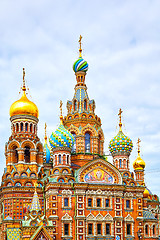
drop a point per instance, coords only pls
(120, 163)
(66, 202)
(21, 127)
(59, 158)
(107, 202)
(17, 127)
(99, 228)
(89, 202)
(26, 127)
(146, 229)
(87, 143)
(85, 104)
(128, 229)
(67, 159)
(31, 127)
(66, 229)
(90, 229)
(98, 202)
(27, 155)
(153, 229)
(107, 228)
(127, 203)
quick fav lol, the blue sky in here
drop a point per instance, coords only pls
(121, 42)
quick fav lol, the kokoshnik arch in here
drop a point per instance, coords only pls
(66, 188)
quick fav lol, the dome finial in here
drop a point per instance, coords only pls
(138, 144)
(45, 137)
(61, 116)
(24, 83)
(80, 49)
(120, 118)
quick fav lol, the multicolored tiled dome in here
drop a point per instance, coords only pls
(80, 65)
(120, 144)
(61, 138)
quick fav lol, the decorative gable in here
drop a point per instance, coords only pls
(99, 171)
(99, 217)
(129, 218)
(90, 217)
(108, 217)
(66, 217)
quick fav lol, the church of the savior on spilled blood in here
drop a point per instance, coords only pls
(66, 188)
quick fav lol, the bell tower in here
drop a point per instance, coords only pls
(81, 119)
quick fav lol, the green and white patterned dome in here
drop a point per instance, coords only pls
(120, 144)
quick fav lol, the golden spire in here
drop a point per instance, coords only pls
(120, 118)
(80, 49)
(45, 137)
(138, 144)
(24, 83)
(61, 116)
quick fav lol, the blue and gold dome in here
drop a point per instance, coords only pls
(120, 144)
(61, 137)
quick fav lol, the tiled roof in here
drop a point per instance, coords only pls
(148, 215)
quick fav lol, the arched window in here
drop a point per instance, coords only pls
(87, 143)
(34, 128)
(17, 127)
(21, 127)
(59, 159)
(31, 127)
(75, 105)
(120, 163)
(85, 104)
(74, 144)
(146, 229)
(26, 127)
(15, 154)
(67, 160)
(153, 229)
(27, 155)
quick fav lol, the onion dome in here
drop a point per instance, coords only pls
(139, 163)
(80, 65)
(120, 144)
(24, 106)
(145, 193)
(61, 137)
(46, 147)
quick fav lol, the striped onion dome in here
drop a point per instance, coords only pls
(80, 65)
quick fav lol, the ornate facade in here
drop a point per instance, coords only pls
(67, 188)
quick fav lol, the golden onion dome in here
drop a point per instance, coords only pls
(145, 193)
(24, 106)
(139, 163)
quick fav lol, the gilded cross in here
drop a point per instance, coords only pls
(120, 117)
(138, 143)
(80, 44)
(24, 85)
(61, 103)
(45, 128)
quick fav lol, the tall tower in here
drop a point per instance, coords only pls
(24, 156)
(81, 119)
(139, 165)
(120, 147)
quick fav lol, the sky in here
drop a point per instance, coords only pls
(121, 43)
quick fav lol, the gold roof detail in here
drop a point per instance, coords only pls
(24, 106)
(139, 163)
(145, 193)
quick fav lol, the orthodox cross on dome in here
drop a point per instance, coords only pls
(120, 118)
(45, 128)
(80, 44)
(24, 83)
(138, 144)
(61, 116)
